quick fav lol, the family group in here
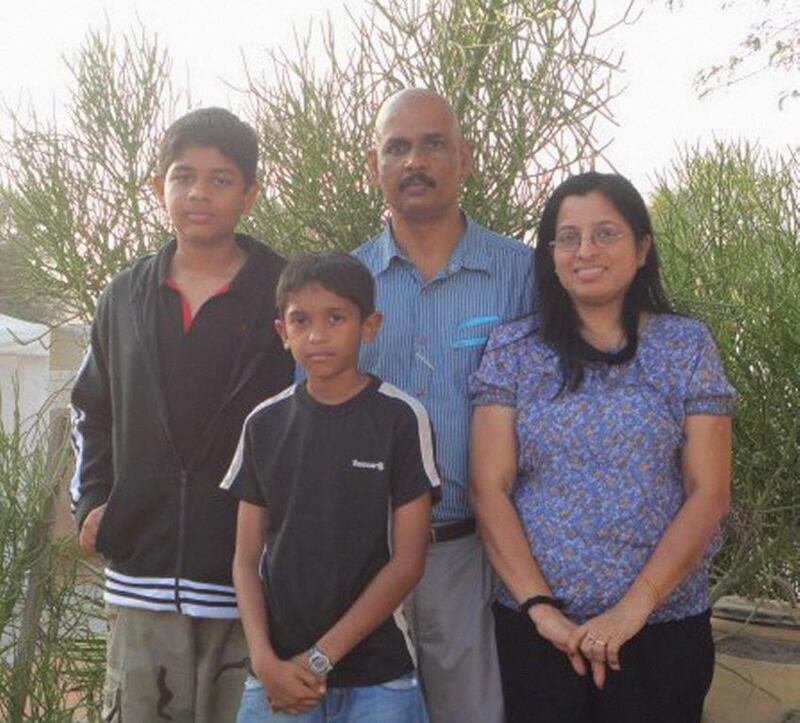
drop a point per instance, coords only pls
(447, 477)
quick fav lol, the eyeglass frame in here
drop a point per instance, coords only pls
(603, 244)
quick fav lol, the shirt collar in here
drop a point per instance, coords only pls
(470, 252)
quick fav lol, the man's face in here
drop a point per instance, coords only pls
(419, 159)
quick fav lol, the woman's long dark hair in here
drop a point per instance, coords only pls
(558, 318)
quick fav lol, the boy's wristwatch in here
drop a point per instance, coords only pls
(318, 662)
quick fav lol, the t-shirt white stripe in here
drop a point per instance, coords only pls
(401, 622)
(423, 429)
(236, 462)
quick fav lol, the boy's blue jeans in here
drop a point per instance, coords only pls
(397, 701)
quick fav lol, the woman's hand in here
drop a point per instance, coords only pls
(291, 687)
(553, 625)
(599, 640)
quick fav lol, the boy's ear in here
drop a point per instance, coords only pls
(157, 185)
(280, 327)
(371, 326)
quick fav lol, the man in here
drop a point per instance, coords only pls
(442, 283)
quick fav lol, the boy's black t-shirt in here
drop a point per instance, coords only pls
(330, 476)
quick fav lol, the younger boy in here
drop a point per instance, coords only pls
(182, 348)
(334, 477)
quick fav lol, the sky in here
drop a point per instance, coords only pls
(657, 112)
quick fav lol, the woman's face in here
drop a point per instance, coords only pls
(596, 255)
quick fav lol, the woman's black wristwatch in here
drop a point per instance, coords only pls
(553, 602)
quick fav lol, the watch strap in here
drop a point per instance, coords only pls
(553, 602)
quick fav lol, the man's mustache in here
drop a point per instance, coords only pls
(416, 177)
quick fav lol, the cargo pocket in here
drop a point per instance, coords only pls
(112, 696)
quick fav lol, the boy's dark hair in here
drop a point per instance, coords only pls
(557, 316)
(336, 271)
(215, 127)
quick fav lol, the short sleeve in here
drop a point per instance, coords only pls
(708, 390)
(413, 460)
(495, 382)
(241, 479)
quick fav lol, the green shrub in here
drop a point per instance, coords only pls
(51, 654)
(728, 227)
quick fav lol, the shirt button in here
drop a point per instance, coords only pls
(419, 393)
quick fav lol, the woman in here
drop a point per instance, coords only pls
(600, 468)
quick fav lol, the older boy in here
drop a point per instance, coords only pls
(335, 477)
(182, 348)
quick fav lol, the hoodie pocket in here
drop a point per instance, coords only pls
(133, 510)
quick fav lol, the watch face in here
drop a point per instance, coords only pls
(318, 663)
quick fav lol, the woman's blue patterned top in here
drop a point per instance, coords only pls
(599, 469)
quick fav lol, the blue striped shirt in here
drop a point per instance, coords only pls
(434, 332)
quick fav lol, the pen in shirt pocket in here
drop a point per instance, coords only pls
(468, 326)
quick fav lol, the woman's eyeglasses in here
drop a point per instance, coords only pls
(603, 236)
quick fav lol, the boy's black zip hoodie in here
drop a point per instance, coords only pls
(168, 531)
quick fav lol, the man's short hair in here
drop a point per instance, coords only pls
(212, 127)
(338, 272)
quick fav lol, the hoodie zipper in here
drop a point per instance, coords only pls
(184, 470)
(181, 538)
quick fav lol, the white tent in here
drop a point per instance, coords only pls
(24, 369)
